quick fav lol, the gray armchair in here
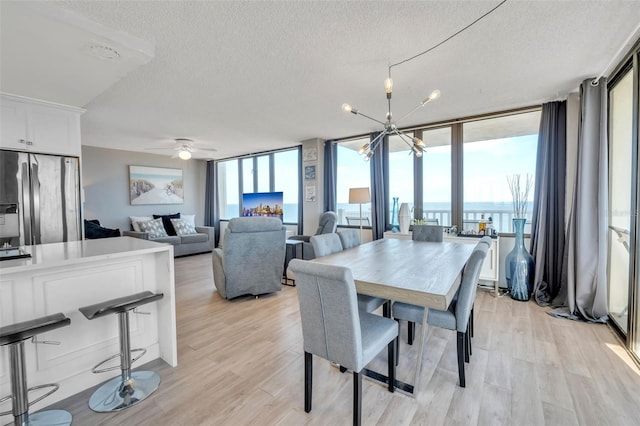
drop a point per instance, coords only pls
(252, 260)
(327, 225)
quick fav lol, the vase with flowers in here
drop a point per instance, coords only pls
(519, 266)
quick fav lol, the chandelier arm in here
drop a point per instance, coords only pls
(410, 112)
(371, 118)
(403, 136)
(374, 142)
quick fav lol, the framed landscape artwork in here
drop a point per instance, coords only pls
(155, 185)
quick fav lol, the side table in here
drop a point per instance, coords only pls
(293, 250)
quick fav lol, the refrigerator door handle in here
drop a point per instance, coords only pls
(35, 196)
(26, 204)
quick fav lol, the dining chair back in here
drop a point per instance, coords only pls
(326, 244)
(334, 329)
(349, 238)
(431, 233)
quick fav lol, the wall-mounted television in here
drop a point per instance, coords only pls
(262, 204)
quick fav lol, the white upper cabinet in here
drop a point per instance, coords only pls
(37, 126)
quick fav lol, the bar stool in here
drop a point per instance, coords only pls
(130, 387)
(14, 336)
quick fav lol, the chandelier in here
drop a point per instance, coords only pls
(390, 127)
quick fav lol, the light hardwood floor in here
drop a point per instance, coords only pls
(241, 363)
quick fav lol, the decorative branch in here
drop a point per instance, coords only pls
(519, 194)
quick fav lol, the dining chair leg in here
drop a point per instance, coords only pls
(343, 369)
(398, 343)
(386, 309)
(308, 379)
(357, 399)
(471, 319)
(391, 364)
(469, 350)
(411, 332)
(461, 350)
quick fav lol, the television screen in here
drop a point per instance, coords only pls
(262, 204)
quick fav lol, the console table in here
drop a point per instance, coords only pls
(490, 268)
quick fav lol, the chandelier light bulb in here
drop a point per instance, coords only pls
(434, 95)
(184, 154)
(346, 108)
(363, 148)
(418, 142)
(388, 85)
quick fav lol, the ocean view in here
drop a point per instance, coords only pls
(500, 212)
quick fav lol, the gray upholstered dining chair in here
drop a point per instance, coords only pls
(335, 329)
(349, 238)
(327, 224)
(432, 233)
(326, 244)
(457, 316)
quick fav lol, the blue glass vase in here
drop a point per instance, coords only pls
(519, 267)
(395, 224)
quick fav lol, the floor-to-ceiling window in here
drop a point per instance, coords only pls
(496, 149)
(620, 174)
(623, 258)
(443, 189)
(352, 172)
(277, 171)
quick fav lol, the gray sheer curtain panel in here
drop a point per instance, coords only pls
(330, 173)
(378, 190)
(211, 215)
(548, 226)
(587, 229)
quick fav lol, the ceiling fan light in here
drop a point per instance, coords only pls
(184, 154)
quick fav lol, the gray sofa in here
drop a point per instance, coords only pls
(252, 260)
(202, 242)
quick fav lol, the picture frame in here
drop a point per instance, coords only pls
(310, 154)
(310, 193)
(310, 172)
(155, 185)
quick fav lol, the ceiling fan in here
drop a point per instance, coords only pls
(184, 148)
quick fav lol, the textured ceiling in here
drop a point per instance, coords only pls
(245, 77)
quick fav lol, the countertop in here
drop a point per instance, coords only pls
(51, 255)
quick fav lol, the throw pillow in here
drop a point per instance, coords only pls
(154, 227)
(136, 219)
(166, 221)
(183, 227)
(190, 218)
(93, 231)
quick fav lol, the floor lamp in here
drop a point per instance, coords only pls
(359, 196)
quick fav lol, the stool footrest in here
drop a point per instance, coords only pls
(55, 387)
(96, 369)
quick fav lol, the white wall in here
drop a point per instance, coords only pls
(105, 180)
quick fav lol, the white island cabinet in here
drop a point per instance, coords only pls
(63, 277)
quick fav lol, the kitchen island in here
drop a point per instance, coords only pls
(63, 277)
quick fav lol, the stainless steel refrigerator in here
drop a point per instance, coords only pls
(39, 198)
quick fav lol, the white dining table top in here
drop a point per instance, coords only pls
(417, 272)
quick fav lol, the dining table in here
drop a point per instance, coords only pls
(422, 273)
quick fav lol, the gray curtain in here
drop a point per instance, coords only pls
(330, 173)
(211, 215)
(587, 230)
(548, 227)
(378, 164)
(300, 193)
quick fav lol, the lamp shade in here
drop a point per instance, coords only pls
(359, 196)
